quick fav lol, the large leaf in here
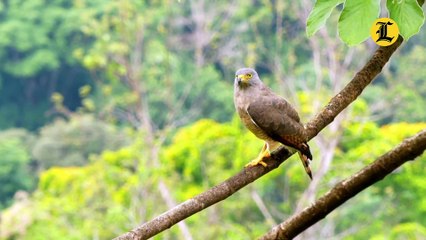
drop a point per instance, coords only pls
(319, 15)
(356, 19)
(408, 15)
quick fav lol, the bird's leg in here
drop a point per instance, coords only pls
(259, 160)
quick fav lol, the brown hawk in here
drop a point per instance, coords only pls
(269, 117)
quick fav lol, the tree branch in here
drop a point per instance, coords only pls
(248, 175)
(343, 191)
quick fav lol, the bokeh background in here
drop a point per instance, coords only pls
(112, 112)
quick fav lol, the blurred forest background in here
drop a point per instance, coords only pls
(111, 112)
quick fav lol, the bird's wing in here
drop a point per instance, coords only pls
(278, 119)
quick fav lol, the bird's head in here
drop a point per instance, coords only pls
(246, 77)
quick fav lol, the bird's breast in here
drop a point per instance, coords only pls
(251, 125)
(242, 100)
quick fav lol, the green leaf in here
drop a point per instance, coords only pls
(356, 19)
(408, 15)
(319, 15)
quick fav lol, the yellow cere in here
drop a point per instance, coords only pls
(244, 77)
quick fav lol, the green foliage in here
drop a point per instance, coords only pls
(403, 92)
(36, 54)
(26, 138)
(99, 199)
(28, 29)
(71, 143)
(81, 202)
(408, 15)
(15, 165)
(91, 199)
(196, 89)
(172, 84)
(16, 110)
(319, 15)
(410, 230)
(396, 201)
(204, 144)
(357, 17)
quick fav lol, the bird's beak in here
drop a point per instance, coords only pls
(242, 78)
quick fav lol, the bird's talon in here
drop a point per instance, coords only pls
(267, 154)
(256, 162)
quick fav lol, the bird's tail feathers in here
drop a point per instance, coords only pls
(305, 162)
(304, 148)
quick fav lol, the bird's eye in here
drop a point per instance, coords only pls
(249, 75)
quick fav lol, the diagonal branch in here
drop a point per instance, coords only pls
(343, 191)
(248, 175)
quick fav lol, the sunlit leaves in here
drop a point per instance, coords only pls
(57, 98)
(396, 196)
(202, 150)
(94, 199)
(356, 19)
(410, 230)
(319, 15)
(33, 63)
(85, 90)
(408, 15)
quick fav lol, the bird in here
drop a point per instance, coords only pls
(269, 117)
